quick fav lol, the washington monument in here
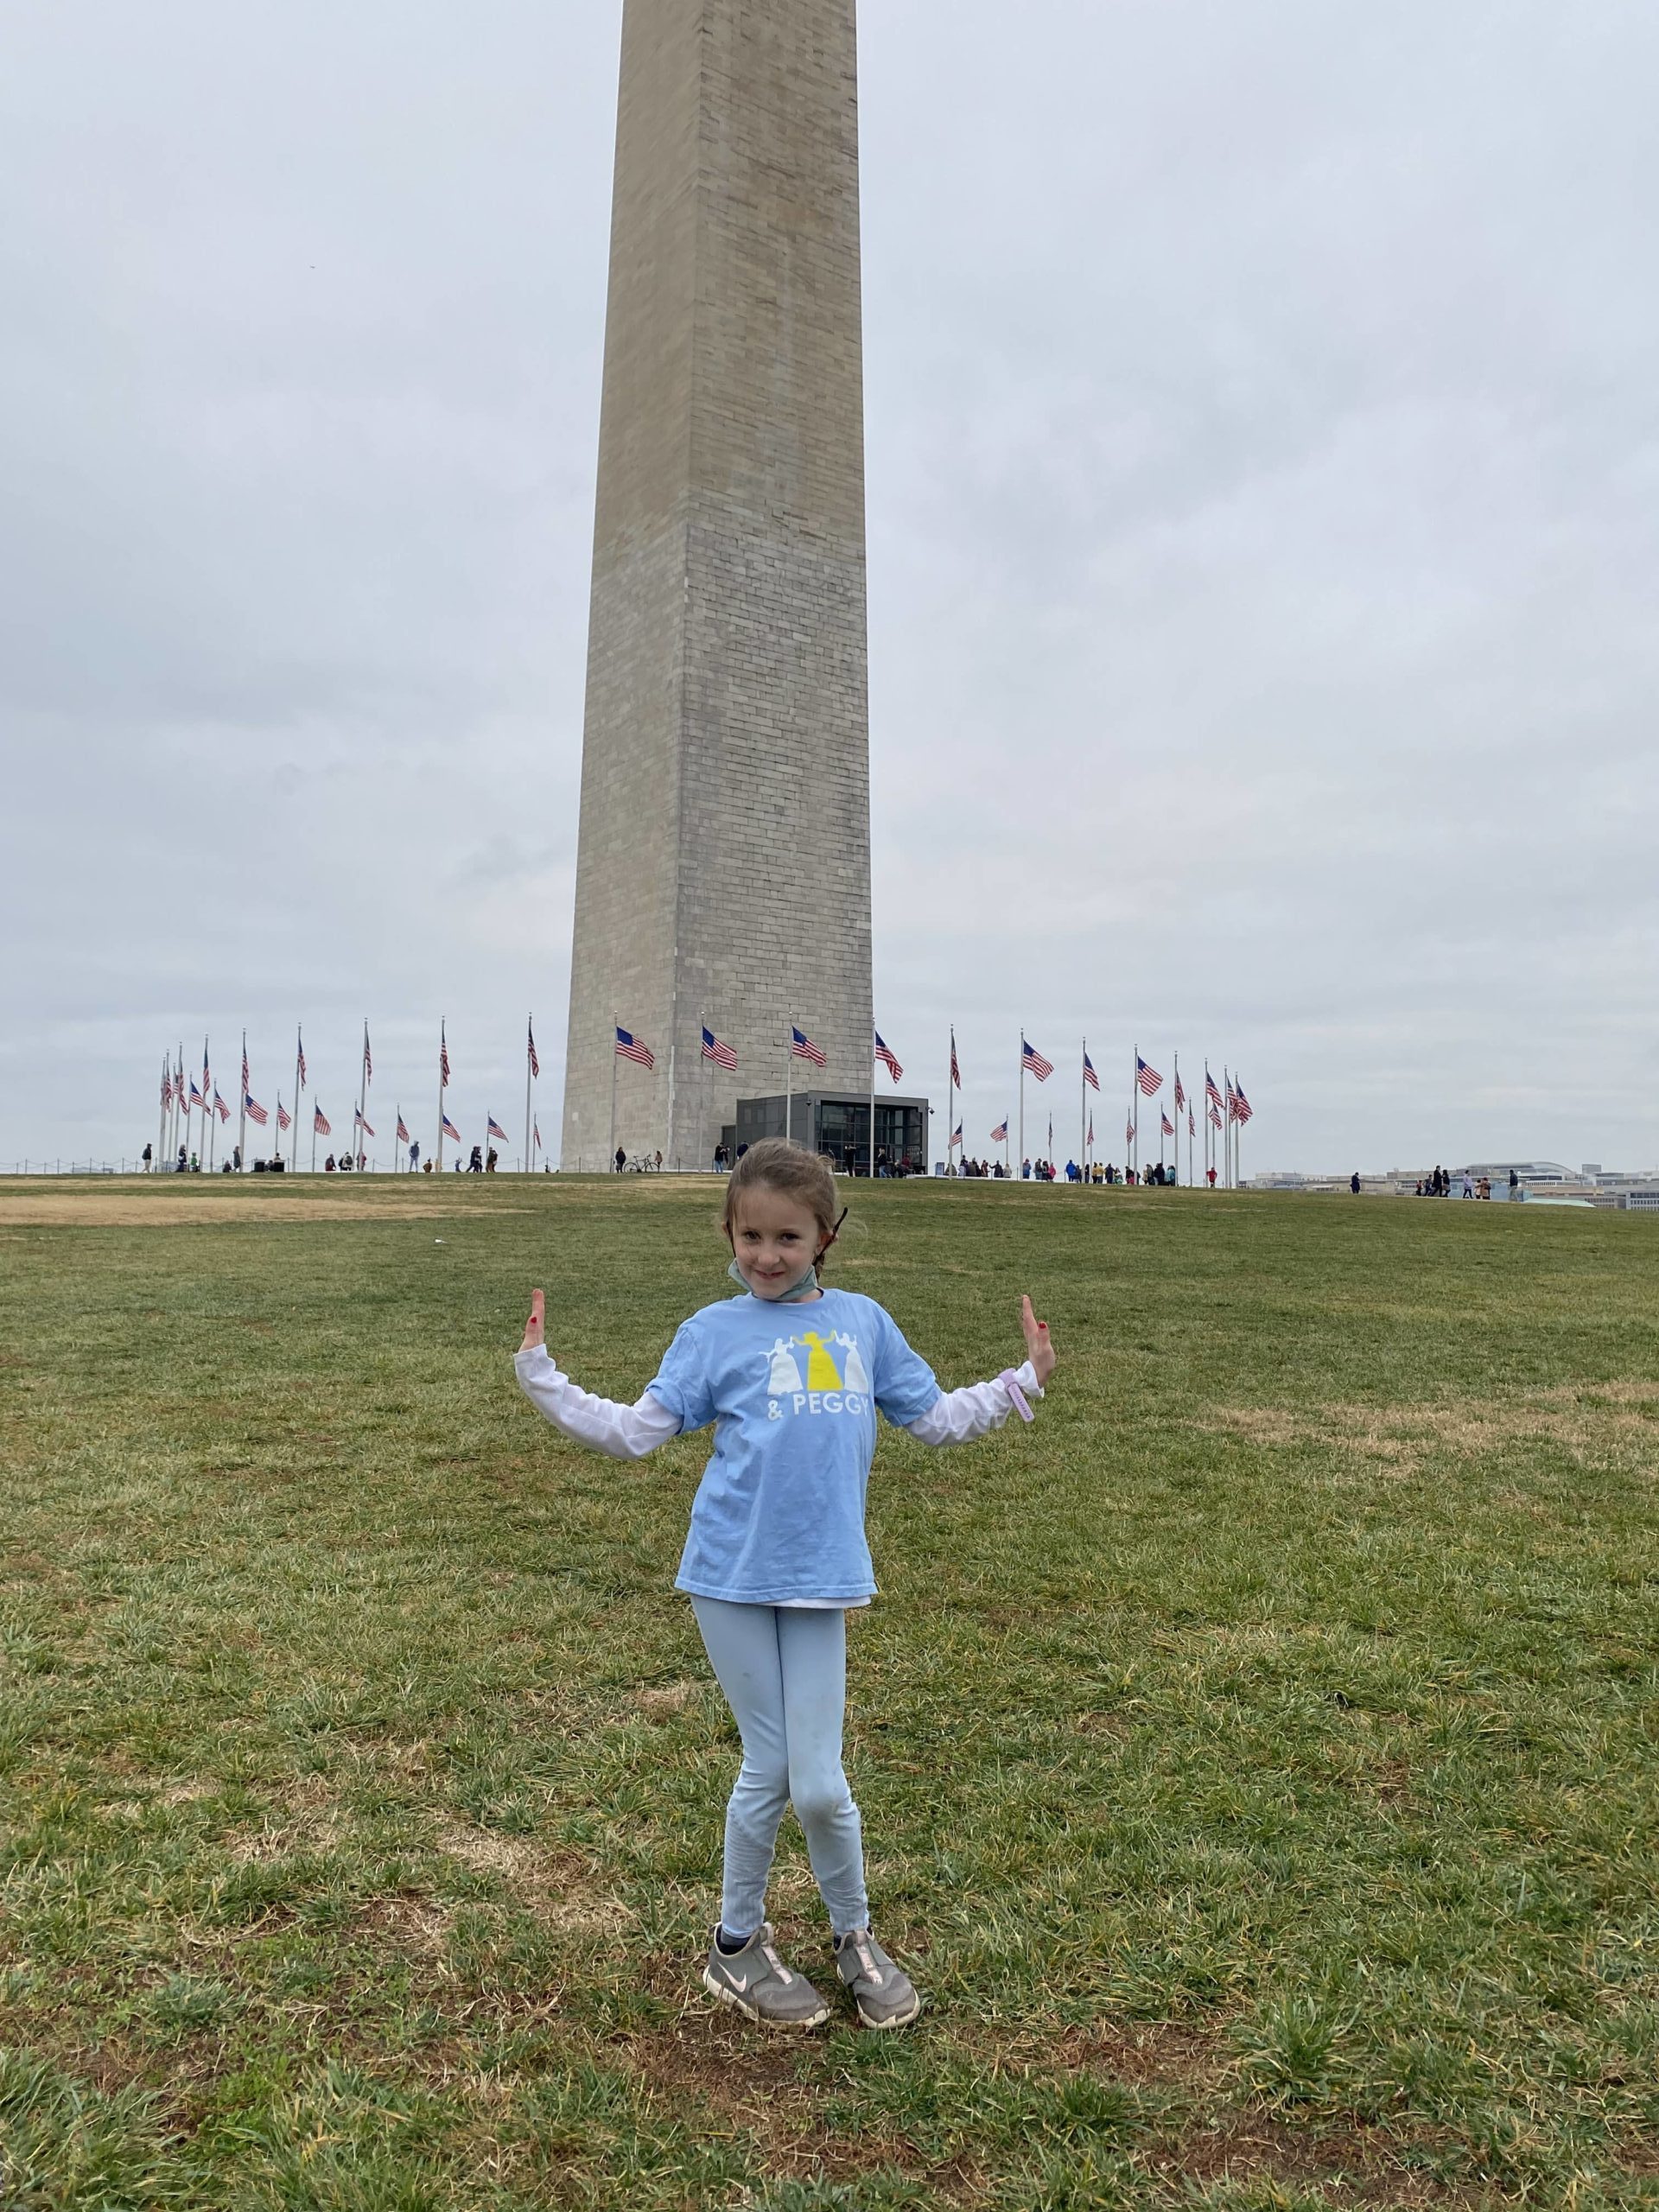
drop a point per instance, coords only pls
(723, 869)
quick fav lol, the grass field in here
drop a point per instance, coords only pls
(1257, 1757)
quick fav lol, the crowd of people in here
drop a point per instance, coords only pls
(1440, 1185)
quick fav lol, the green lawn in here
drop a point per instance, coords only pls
(1257, 1757)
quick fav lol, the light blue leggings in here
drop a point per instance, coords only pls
(784, 1670)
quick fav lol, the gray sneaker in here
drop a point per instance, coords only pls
(761, 1986)
(883, 1992)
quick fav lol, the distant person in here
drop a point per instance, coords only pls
(148, 1159)
(659, 1163)
(475, 1164)
(414, 1154)
(1515, 1180)
(236, 1157)
(621, 1159)
(426, 1167)
(328, 1165)
(1468, 1185)
(1353, 1182)
(183, 1163)
(791, 1375)
(1210, 1177)
(489, 1164)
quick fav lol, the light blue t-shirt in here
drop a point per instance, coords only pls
(793, 1391)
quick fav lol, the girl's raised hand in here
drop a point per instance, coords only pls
(1038, 1351)
(536, 1327)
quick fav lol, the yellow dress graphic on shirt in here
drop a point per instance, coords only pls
(822, 1373)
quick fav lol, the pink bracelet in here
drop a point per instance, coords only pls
(1010, 1381)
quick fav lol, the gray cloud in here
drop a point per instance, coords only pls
(1263, 468)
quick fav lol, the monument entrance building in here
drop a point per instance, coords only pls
(723, 875)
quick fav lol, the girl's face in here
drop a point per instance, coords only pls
(774, 1239)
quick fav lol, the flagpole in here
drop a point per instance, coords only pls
(167, 1108)
(242, 1118)
(314, 1135)
(362, 1101)
(950, 1115)
(673, 1042)
(1134, 1113)
(1022, 1102)
(1178, 1117)
(871, 1108)
(1082, 1110)
(610, 1157)
(442, 1056)
(789, 1077)
(299, 1054)
(206, 1153)
(529, 1030)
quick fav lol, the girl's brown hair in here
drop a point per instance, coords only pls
(781, 1165)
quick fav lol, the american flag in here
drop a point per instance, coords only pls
(722, 1055)
(1181, 1093)
(804, 1048)
(530, 1031)
(955, 1072)
(999, 1134)
(450, 1130)
(1128, 1131)
(1149, 1077)
(167, 1086)
(299, 1046)
(284, 1119)
(955, 1140)
(195, 1096)
(255, 1111)
(361, 1123)
(886, 1058)
(1242, 1108)
(1032, 1058)
(495, 1129)
(536, 1132)
(320, 1122)
(207, 1079)
(403, 1134)
(1209, 1091)
(219, 1107)
(244, 1067)
(368, 1059)
(1168, 1125)
(1091, 1131)
(630, 1047)
(1215, 1117)
(443, 1059)
(1192, 1126)
(1232, 1100)
(1088, 1075)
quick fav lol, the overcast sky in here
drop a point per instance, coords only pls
(1263, 467)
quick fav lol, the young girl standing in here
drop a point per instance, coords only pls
(791, 1375)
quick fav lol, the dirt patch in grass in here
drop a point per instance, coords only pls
(1350, 2167)
(772, 2086)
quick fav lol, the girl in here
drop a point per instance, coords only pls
(791, 1375)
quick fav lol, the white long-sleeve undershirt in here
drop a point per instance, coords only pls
(630, 1432)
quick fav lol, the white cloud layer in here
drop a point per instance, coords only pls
(1263, 474)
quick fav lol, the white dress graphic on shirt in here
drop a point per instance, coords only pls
(856, 1375)
(785, 1376)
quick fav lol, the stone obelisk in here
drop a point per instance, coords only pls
(723, 871)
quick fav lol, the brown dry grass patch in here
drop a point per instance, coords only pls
(558, 1888)
(226, 1209)
(1592, 1423)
